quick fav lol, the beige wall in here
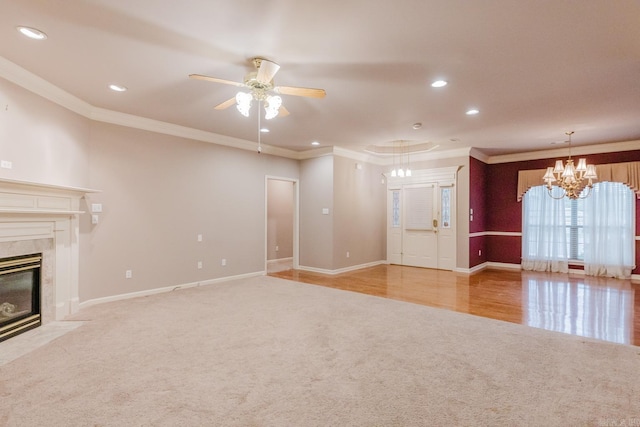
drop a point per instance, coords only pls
(45, 143)
(359, 213)
(158, 193)
(316, 229)
(355, 199)
(279, 219)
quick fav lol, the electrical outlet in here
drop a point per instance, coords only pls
(199, 237)
(348, 254)
(128, 274)
(6, 164)
(199, 264)
(224, 262)
(277, 248)
(479, 252)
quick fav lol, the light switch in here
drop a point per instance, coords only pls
(96, 207)
(325, 211)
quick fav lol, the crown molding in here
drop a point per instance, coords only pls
(438, 155)
(355, 155)
(583, 150)
(479, 155)
(33, 83)
(137, 122)
(380, 160)
(314, 153)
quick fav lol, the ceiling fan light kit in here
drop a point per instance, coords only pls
(261, 88)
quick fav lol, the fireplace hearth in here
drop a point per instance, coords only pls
(19, 294)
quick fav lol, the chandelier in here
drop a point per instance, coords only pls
(571, 179)
(400, 168)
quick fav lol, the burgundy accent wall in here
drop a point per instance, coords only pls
(477, 199)
(506, 249)
(477, 202)
(477, 250)
(504, 212)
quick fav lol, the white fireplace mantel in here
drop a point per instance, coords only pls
(32, 211)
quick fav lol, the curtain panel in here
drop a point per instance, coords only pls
(544, 238)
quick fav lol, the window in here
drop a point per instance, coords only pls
(598, 230)
(574, 220)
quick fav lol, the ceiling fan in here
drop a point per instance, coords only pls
(261, 86)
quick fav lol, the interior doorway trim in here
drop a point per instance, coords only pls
(296, 217)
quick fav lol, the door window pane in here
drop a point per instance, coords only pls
(395, 209)
(445, 201)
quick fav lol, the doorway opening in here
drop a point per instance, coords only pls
(281, 224)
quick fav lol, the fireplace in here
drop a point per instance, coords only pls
(41, 219)
(19, 294)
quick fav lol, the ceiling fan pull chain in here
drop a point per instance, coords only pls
(259, 109)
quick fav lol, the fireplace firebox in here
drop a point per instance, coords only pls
(19, 294)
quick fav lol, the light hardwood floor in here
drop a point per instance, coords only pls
(595, 307)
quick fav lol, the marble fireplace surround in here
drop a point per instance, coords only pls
(45, 218)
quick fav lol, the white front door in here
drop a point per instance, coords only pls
(419, 230)
(421, 224)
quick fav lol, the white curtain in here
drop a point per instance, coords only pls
(544, 233)
(609, 230)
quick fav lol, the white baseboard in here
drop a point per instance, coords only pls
(471, 270)
(341, 270)
(274, 261)
(479, 267)
(504, 265)
(487, 264)
(154, 291)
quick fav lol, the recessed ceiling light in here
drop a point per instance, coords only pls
(117, 88)
(315, 143)
(472, 112)
(439, 83)
(32, 33)
(264, 130)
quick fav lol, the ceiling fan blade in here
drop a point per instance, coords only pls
(266, 71)
(300, 91)
(215, 80)
(283, 112)
(226, 104)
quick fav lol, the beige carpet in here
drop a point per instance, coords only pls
(269, 352)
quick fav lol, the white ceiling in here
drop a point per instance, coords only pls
(534, 68)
